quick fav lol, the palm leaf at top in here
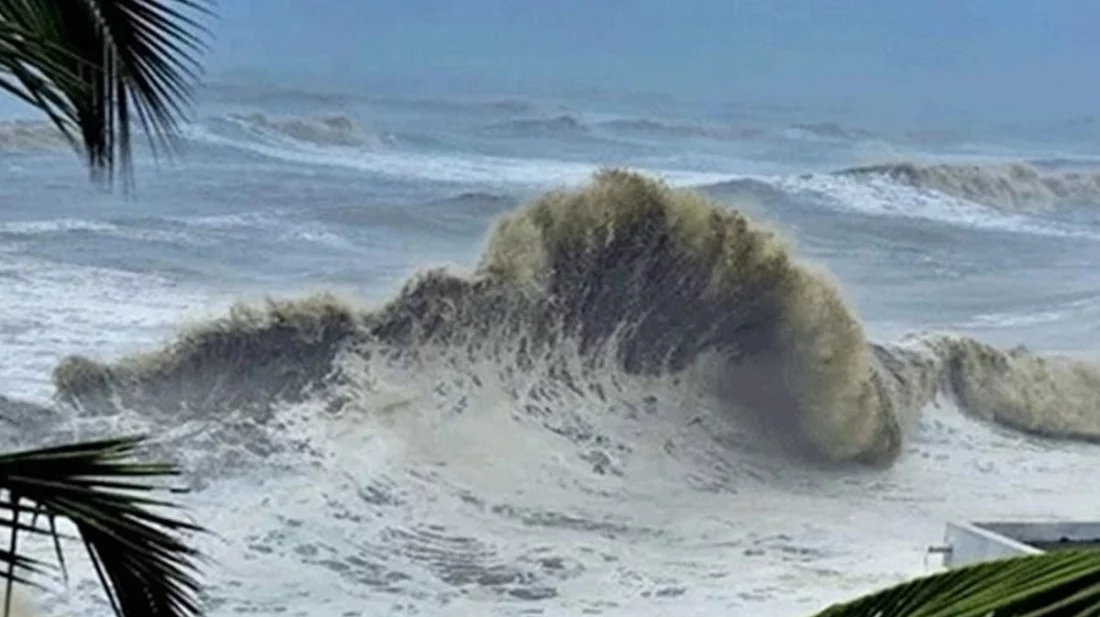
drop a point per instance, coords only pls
(145, 569)
(96, 66)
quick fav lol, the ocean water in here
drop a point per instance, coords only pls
(755, 375)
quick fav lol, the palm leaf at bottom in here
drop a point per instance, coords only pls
(1063, 583)
(145, 569)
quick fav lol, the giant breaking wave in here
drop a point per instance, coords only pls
(624, 276)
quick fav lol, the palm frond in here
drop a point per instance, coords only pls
(1045, 585)
(94, 65)
(144, 568)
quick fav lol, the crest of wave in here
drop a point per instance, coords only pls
(330, 130)
(1050, 395)
(1015, 186)
(623, 275)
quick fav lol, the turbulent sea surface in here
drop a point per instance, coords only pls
(420, 356)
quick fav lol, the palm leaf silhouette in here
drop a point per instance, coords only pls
(145, 569)
(94, 66)
(1063, 583)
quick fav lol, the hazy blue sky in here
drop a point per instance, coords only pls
(1023, 57)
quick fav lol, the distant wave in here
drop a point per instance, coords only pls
(933, 136)
(30, 136)
(259, 92)
(1066, 163)
(472, 200)
(323, 130)
(878, 195)
(567, 125)
(1015, 186)
(563, 125)
(328, 130)
(627, 278)
(571, 125)
(465, 211)
(657, 128)
(434, 167)
(444, 105)
(832, 130)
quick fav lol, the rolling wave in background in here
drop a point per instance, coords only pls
(1016, 186)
